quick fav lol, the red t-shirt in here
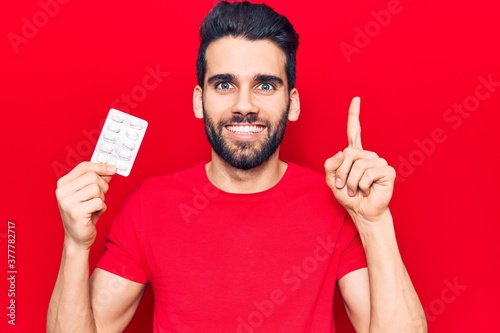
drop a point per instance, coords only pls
(223, 262)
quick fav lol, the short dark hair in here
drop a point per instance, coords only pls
(252, 22)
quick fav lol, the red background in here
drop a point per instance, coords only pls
(61, 81)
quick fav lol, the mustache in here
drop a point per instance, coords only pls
(249, 118)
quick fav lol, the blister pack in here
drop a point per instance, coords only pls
(119, 141)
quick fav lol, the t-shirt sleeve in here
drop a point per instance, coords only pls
(353, 255)
(122, 254)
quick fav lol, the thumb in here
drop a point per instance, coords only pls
(333, 163)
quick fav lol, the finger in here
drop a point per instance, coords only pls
(358, 171)
(72, 203)
(99, 212)
(333, 163)
(351, 155)
(87, 204)
(81, 182)
(107, 178)
(376, 175)
(95, 208)
(84, 167)
(89, 192)
(89, 207)
(353, 124)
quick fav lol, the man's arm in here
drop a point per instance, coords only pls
(114, 300)
(381, 298)
(108, 303)
(355, 291)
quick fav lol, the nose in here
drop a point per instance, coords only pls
(244, 103)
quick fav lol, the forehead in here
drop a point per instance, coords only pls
(243, 58)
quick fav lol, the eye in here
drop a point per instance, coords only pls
(223, 86)
(266, 87)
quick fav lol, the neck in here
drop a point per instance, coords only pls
(233, 180)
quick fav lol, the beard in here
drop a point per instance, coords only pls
(245, 155)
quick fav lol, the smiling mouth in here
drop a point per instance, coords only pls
(245, 129)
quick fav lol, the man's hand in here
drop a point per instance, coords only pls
(80, 196)
(360, 180)
(76, 304)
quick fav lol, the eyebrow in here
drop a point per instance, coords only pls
(221, 77)
(257, 78)
(268, 78)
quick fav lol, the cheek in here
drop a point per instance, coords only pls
(217, 104)
(273, 108)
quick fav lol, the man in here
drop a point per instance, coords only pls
(245, 242)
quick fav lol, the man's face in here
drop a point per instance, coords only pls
(245, 101)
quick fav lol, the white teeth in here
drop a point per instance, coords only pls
(246, 129)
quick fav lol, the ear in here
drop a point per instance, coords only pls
(294, 111)
(198, 102)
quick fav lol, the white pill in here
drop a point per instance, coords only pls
(109, 137)
(136, 125)
(114, 128)
(121, 165)
(129, 145)
(118, 117)
(125, 155)
(106, 148)
(132, 135)
(102, 158)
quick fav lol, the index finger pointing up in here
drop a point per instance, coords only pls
(353, 125)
